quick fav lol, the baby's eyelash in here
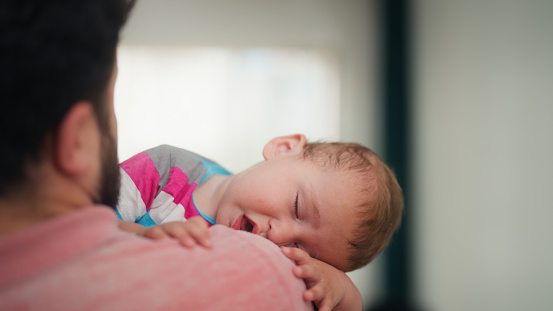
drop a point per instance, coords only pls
(296, 205)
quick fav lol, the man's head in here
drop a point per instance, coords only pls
(57, 70)
(326, 198)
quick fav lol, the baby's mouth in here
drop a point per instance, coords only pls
(246, 224)
(243, 223)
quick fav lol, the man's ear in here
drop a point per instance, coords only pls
(76, 140)
(291, 144)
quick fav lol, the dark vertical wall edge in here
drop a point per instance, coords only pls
(395, 98)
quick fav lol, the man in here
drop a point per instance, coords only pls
(60, 248)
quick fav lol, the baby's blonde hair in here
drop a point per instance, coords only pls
(382, 205)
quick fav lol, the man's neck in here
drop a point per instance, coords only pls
(55, 196)
(16, 216)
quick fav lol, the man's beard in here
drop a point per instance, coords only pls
(110, 178)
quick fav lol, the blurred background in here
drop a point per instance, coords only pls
(457, 96)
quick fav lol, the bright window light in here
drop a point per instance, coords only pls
(224, 103)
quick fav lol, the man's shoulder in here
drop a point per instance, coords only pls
(241, 272)
(120, 271)
(244, 271)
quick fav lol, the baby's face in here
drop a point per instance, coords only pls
(294, 202)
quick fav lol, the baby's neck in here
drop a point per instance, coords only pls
(208, 194)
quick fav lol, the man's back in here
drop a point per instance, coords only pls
(81, 261)
(58, 68)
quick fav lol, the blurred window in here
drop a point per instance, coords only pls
(224, 103)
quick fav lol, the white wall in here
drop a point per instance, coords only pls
(344, 28)
(483, 183)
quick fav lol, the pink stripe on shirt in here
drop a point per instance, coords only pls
(190, 211)
(178, 187)
(142, 170)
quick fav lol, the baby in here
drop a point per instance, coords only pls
(331, 206)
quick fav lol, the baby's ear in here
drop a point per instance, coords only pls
(291, 144)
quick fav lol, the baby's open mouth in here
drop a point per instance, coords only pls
(246, 224)
(243, 223)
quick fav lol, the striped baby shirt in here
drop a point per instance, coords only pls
(157, 185)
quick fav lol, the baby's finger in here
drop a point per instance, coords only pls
(325, 305)
(153, 233)
(308, 272)
(186, 241)
(176, 231)
(181, 235)
(299, 256)
(199, 231)
(316, 292)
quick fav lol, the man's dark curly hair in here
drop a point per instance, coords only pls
(53, 53)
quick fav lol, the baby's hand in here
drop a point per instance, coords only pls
(328, 287)
(191, 232)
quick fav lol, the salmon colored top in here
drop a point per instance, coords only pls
(82, 261)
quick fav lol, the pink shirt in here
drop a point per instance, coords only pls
(82, 261)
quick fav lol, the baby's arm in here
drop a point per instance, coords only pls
(189, 233)
(328, 287)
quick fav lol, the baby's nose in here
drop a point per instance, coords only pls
(279, 232)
